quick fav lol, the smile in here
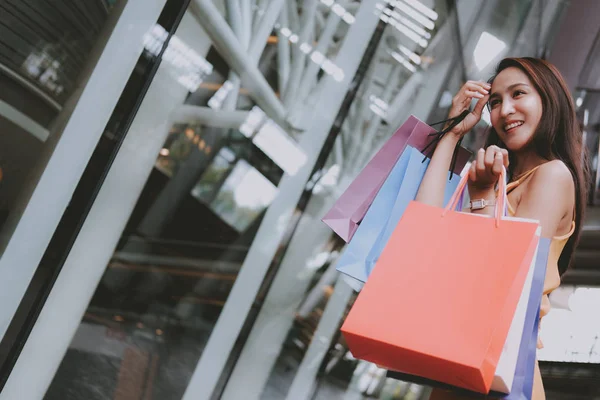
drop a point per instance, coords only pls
(512, 125)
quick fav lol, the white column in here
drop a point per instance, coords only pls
(277, 313)
(82, 122)
(276, 218)
(95, 244)
(328, 325)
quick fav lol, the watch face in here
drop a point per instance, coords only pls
(477, 204)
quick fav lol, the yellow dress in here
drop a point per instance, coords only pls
(552, 280)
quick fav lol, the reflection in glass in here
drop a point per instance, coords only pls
(44, 51)
(179, 255)
(243, 196)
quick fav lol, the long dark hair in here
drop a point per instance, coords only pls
(557, 137)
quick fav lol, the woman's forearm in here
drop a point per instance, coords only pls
(431, 190)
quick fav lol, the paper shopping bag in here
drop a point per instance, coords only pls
(349, 210)
(523, 380)
(399, 189)
(415, 171)
(523, 383)
(448, 275)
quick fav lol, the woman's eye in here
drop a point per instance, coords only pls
(518, 93)
(494, 102)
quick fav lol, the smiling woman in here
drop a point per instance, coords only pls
(536, 136)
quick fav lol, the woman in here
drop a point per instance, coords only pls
(536, 136)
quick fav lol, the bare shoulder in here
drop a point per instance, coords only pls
(549, 197)
(554, 173)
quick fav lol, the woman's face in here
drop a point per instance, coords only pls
(515, 108)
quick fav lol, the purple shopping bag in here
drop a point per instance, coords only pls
(349, 210)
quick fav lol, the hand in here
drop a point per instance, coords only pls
(487, 167)
(462, 102)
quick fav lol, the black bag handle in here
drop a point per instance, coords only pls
(440, 134)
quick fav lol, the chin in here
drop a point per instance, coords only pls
(515, 146)
(516, 143)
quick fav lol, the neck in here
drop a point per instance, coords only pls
(524, 162)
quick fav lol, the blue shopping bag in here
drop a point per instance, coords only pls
(523, 383)
(415, 170)
(398, 190)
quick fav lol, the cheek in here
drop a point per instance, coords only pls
(532, 106)
(496, 120)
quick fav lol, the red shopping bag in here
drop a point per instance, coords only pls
(441, 299)
(349, 210)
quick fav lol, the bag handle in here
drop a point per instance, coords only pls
(440, 134)
(501, 199)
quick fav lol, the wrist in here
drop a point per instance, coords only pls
(486, 193)
(451, 138)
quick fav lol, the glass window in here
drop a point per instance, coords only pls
(181, 251)
(46, 52)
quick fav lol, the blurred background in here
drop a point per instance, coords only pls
(187, 259)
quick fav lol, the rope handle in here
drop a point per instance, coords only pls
(440, 134)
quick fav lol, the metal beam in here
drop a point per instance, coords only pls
(234, 17)
(246, 11)
(234, 54)
(264, 29)
(397, 106)
(207, 116)
(368, 140)
(298, 57)
(310, 75)
(328, 324)
(283, 53)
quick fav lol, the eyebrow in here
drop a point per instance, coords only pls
(511, 87)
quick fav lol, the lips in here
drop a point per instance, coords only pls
(512, 125)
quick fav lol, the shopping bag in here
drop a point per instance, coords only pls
(399, 189)
(522, 384)
(349, 210)
(446, 273)
(528, 377)
(414, 175)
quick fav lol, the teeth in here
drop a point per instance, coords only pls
(513, 125)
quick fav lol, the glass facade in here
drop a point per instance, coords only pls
(46, 52)
(201, 269)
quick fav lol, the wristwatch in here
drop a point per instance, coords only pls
(481, 204)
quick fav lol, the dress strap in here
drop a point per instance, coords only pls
(566, 235)
(521, 178)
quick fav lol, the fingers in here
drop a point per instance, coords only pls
(470, 90)
(478, 86)
(490, 154)
(473, 93)
(478, 109)
(505, 159)
(480, 161)
(488, 165)
(496, 149)
(497, 164)
(473, 172)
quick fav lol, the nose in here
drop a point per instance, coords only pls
(507, 108)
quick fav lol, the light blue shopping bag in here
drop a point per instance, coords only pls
(398, 190)
(414, 172)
